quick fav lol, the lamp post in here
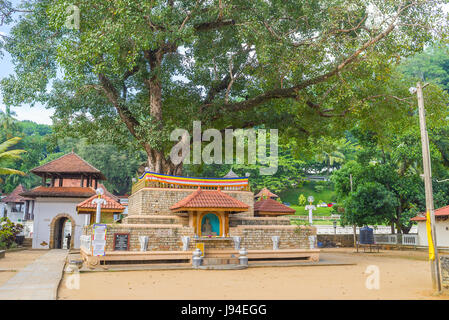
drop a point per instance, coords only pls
(98, 201)
(433, 256)
(310, 207)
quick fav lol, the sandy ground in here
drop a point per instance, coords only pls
(15, 261)
(403, 275)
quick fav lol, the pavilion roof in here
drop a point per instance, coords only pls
(440, 212)
(111, 205)
(209, 199)
(70, 163)
(267, 193)
(15, 195)
(270, 205)
(60, 192)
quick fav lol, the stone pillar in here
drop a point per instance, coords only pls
(312, 240)
(237, 241)
(185, 243)
(243, 259)
(275, 240)
(143, 243)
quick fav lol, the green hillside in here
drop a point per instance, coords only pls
(308, 189)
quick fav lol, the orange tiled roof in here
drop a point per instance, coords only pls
(440, 212)
(270, 205)
(15, 195)
(267, 193)
(60, 192)
(210, 199)
(69, 163)
(111, 204)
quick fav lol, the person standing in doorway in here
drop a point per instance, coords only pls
(68, 237)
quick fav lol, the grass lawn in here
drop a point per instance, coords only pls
(320, 211)
(291, 196)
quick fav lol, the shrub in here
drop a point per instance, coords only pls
(319, 188)
(8, 232)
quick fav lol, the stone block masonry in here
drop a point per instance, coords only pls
(257, 237)
(157, 201)
(444, 262)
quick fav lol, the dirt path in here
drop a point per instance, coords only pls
(16, 261)
(403, 275)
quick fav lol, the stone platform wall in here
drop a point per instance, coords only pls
(160, 237)
(157, 201)
(257, 237)
(167, 237)
(235, 221)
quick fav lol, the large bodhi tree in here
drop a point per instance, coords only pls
(142, 68)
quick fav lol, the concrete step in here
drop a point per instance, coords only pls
(223, 267)
(219, 261)
(27, 242)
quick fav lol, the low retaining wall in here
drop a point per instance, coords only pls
(339, 240)
(2, 253)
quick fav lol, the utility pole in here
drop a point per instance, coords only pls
(434, 263)
(354, 226)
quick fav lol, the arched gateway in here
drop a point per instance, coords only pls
(57, 231)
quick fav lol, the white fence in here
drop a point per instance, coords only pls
(404, 239)
(329, 229)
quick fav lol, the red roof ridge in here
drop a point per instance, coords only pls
(265, 192)
(111, 203)
(15, 195)
(209, 199)
(443, 211)
(271, 205)
(37, 169)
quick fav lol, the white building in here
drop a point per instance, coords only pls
(66, 182)
(441, 227)
(19, 209)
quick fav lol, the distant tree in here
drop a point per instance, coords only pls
(302, 200)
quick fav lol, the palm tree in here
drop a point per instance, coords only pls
(7, 156)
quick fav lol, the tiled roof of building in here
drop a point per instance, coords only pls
(111, 204)
(210, 199)
(440, 212)
(270, 205)
(60, 192)
(266, 193)
(69, 163)
(15, 195)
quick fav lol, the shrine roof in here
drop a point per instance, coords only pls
(267, 193)
(89, 206)
(214, 199)
(15, 195)
(270, 205)
(70, 163)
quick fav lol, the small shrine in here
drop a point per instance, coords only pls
(271, 208)
(208, 211)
